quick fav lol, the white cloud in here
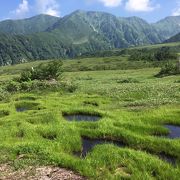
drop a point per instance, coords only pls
(140, 5)
(111, 3)
(22, 9)
(50, 7)
(176, 11)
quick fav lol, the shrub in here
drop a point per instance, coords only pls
(160, 54)
(4, 95)
(12, 86)
(26, 76)
(169, 69)
(68, 86)
(127, 80)
(164, 53)
(44, 71)
(4, 113)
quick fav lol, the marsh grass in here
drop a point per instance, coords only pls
(133, 113)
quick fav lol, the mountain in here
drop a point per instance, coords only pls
(117, 32)
(168, 27)
(46, 37)
(28, 26)
(175, 38)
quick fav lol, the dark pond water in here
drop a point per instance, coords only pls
(174, 131)
(21, 109)
(167, 158)
(81, 117)
(88, 145)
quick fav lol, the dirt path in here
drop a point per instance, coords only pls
(39, 173)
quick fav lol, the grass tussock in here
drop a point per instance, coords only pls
(131, 112)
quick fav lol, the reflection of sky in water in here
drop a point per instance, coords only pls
(174, 131)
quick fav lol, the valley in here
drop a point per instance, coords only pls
(107, 123)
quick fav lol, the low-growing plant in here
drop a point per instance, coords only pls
(4, 113)
(68, 86)
(12, 86)
(4, 95)
(127, 80)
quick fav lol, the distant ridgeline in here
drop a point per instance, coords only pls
(48, 37)
(175, 38)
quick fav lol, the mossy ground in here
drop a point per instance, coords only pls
(134, 106)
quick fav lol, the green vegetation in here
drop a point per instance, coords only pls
(169, 69)
(175, 38)
(31, 25)
(48, 71)
(45, 37)
(134, 106)
(168, 27)
(160, 54)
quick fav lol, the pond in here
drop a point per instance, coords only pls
(174, 131)
(167, 158)
(21, 109)
(89, 144)
(81, 117)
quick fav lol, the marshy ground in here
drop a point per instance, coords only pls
(129, 107)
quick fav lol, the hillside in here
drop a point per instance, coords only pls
(28, 26)
(168, 27)
(119, 32)
(47, 37)
(175, 38)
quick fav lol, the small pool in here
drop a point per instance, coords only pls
(21, 109)
(174, 131)
(167, 158)
(81, 117)
(89, 144)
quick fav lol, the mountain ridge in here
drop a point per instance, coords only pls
(175, 38)
(80, 32)
(30, 25)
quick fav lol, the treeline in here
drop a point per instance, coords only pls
(142, 54)
(160, 54)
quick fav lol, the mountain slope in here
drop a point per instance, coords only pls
(175, 38)
(77, 33)
(28, 26)
(168, 27)
(119, 32)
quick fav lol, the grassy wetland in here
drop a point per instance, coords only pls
(133, 107)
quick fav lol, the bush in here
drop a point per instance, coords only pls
(164, 53)
(68, 86)
(4, 113)
(4, 95)
(169, 69)
(12, 86)
(44, 71)
(127, 80)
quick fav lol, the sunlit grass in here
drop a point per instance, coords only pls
(134, 107)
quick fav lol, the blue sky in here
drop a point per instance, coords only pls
(150, 10)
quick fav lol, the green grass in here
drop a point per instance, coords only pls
(134, 106)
